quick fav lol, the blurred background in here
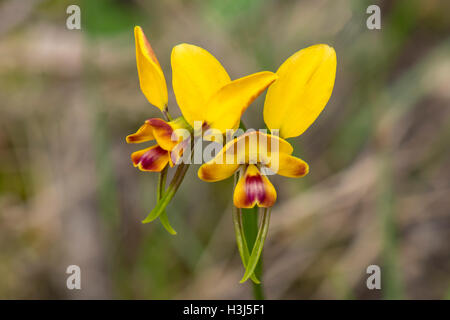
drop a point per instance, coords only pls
(377, 192)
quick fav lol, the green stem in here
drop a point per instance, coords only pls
(240, 236)
(168, 195)
(258, 245)
(160, 191)
(258, 290)
(167, 114)
(164, 198)
(250, 225)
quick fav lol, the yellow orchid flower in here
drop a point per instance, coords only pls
(304, 85)
(155, 158)
(303, 88)
(203, 90)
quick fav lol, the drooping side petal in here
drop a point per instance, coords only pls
(254, 188)
(151, 77)
(211, 171)
(287, 165)
(226, 106)
(196, 76)
(150, 159)
(144, 133)
(252, 146)
(304, 86)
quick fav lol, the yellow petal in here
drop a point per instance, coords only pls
(150, 159)
(225, 108)
(196, 76)
(164, 132)
(304, 86)
(211, 171)
(254, 188)
(151, 77)
(288, 166)
(252, 146)
(144, 133)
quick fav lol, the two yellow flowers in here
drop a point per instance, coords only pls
(297, 93)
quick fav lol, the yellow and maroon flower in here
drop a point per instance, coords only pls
(155, 158)
(303, 87)
(251, 153)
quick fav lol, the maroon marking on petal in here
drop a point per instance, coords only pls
(161, 130)
(158, 123)
(206, 175)
(132, 138)
(149, 159)
(301, 170)
(254, 189)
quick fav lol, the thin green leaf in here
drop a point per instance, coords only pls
(166, 224)
(160, 191)
(168, 195)
(258, 246)
(240, 236)
(241, 243)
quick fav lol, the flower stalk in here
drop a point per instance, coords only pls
(160, 191)
(250, 224)
(259, 244)
(168, 195)
(241, 240)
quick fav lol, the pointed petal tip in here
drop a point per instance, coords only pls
(143, 134)
(287, 165)
(151, 77)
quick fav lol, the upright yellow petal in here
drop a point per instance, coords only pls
(151, 77)
(196, 76)
(304, 86)
(225, 108)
